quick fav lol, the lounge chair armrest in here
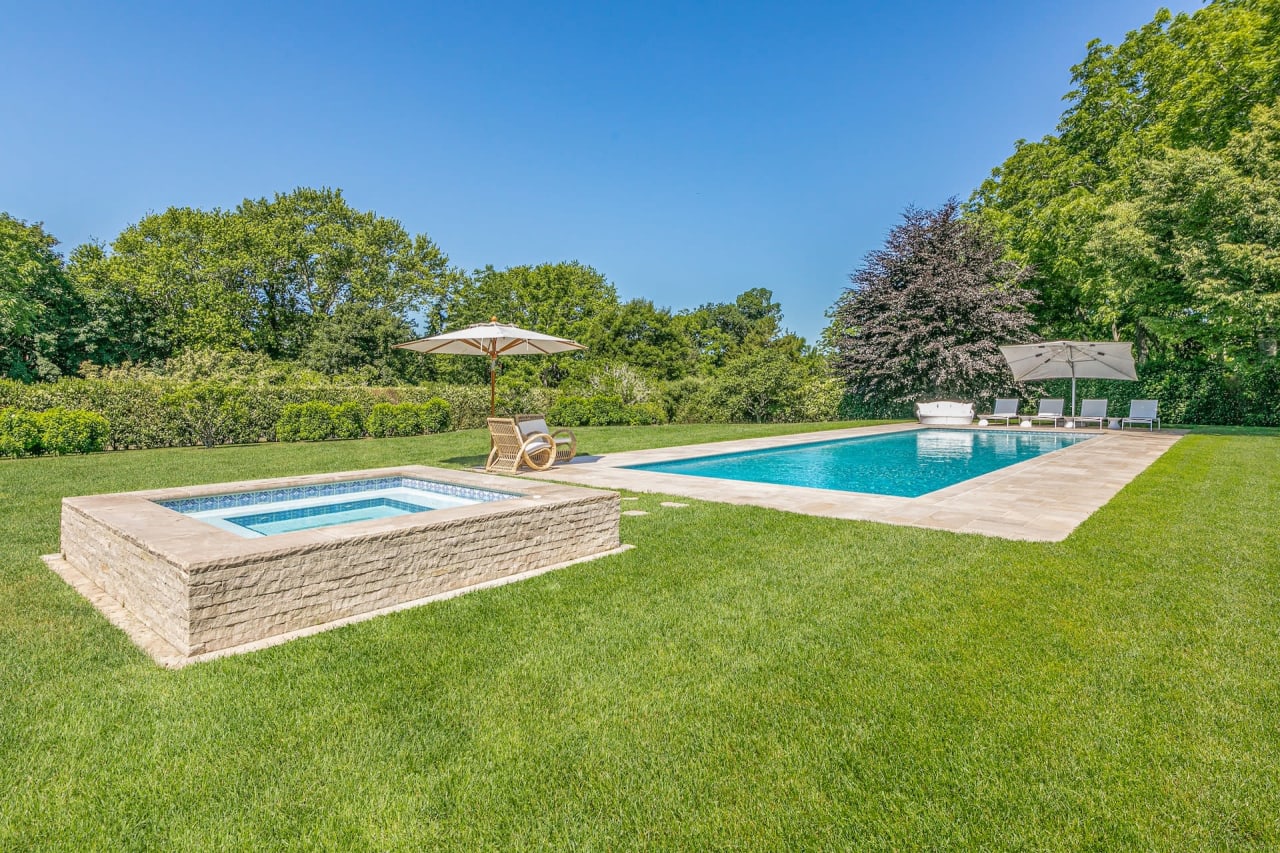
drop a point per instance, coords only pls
(569, 437)
(535, 444)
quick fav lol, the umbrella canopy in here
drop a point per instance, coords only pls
(1060, 359)
(492, 339)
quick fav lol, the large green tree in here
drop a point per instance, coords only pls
(308, 252)
(565, 299)
(42, 318)
(1189, 256)
(926, 314)
(722, 331)
(263, 277)
(561, 299)
(1138, 218)
(646, 337)
(357, 343)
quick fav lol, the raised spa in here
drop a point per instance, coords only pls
(233, 566)
(267, 512)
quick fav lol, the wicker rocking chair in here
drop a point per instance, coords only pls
(513, 450)
(566, 442)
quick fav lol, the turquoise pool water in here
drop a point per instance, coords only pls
(268, 512)
(306, 518)
(904, 464)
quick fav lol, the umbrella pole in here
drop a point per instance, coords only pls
(493, 385)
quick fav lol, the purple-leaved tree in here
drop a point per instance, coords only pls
(927, 313)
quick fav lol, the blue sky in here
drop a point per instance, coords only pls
(688, 151)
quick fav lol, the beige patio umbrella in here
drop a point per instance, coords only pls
(1060, 359)
(492, 339)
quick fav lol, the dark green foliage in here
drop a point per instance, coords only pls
(310, 421)
(388, 420)
(644, 337)
(41, 314)
(603, 410)
(209, 414)
(19, 433)
(65, 431)
(348, 420)
(356, 342)
(854, 407)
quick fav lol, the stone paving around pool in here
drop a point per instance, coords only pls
(1042, 499)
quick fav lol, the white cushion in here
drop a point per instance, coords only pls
(533, 427)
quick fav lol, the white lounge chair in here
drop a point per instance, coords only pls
(1142, 412)
(1093, 410)
(1005, 409)
(1050, 410)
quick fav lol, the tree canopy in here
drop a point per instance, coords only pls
(926, 314)
(41, 316)
(263, 277)
(1150, 215)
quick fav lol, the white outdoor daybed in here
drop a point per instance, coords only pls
(945, 412)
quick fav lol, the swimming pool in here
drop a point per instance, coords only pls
(903, 464)
(266, 512)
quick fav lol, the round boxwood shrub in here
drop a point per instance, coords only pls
(388, 420)
(310, 421)
(570, 412)
(348, 420)
(72, 430)
(19, 433)
(434, 415)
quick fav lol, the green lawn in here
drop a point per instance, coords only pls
(741, 679)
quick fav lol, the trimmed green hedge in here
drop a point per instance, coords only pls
(603, 411)
(165, 413)
(55, 430)
(388, 420)
(317, 421)
(1196, 393)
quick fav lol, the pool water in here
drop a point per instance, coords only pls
(903, 464)
(326, 515)
(273, 511)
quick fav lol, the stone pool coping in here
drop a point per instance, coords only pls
(1042, 499)
(186, 591)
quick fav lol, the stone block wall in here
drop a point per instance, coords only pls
(151, 587)
(201, 589)
(237, 602)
